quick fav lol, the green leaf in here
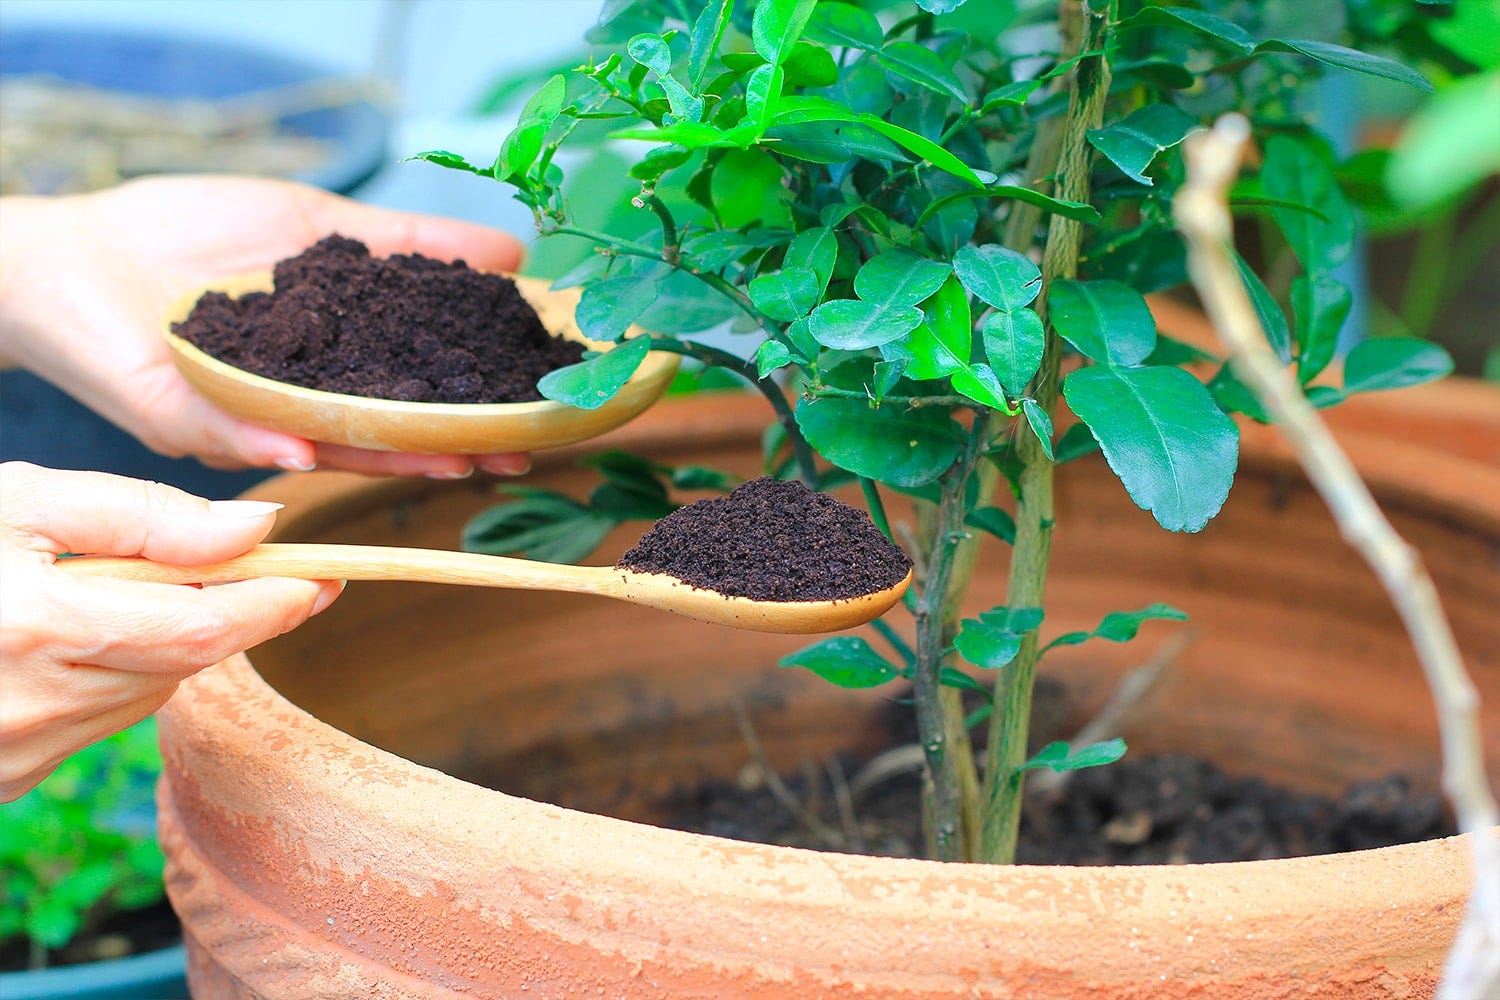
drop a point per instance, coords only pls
(787, 295)
(1040, 422)
(1107, 321)
(979, 383)
(852, 325)
(1393, 363)
(1321, 305)
(708, 31)
(899, 277)
(942, 344)
(955, 678)
(810, 66)
(452, 161)
(799, 110)
(1295, 172)
(923, 67)
(608, 307)
(847, 661)
(1162, 434)
(821, 143)
(1133, 142)
(1203, 23)
(1272, 319)
(998, 276)
(1121, 626)
(747, 187)
(776, 26)
(995, 521)
(1013, 343)
(1350, 59)
(901, 447)
(762, 95)
(1076, 442)
(1450, 144)
(590, 384)
(845, 25)
(1076, 210)
(1061, 757)
(771, 355)
(887, 374)
(987, 646)
(816, 248)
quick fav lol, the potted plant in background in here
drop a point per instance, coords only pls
(943, 232)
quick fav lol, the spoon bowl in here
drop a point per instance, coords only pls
(396, 425)
(374, 562)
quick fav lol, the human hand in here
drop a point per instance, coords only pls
(85, 657)
(87, 279)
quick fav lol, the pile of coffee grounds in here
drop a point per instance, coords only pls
(406, 327)
(772, 540)
(1168, 809)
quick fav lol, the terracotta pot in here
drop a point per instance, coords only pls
(322, 842)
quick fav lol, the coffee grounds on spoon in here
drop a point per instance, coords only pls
(772, 540)
(406, 327)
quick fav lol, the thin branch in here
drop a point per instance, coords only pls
(1213, 162)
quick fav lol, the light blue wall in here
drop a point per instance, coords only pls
(441, 54)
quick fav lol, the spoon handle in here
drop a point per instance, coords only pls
(355, 562)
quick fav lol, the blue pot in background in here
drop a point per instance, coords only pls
(41, 424)
(157, 975)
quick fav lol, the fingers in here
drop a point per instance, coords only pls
(98, 513)
(392, 463)
(167, 629)
(27, 761)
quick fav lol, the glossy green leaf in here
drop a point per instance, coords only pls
(995, 521)
(1059, 756)
(1013, 343)
(987, 646)
(776, 26)
(810, 66)
(708, 31)
(652, 52)
(608, 307)
(1121, 626)
(906, 448)
(955, 678)
(1272, 320)
(822, 143)
(1163, 435)
(1076, 210)
(1233, 396)
(590, 384)
(771, 355)
(1133, 142)
(1350, 59)
(785, 295)
(845, 25)
(1014, 94)
(452, 161)
(847, 661)
(747, 187)
(887, 374)
(1393, 363)
(852, 325)
(1295, 172)
(1040, 422)
(979, 383)
(816, 249)
(798, 110)
(1202, 22)
(998, 276)
(1076, 442)
(923, 67)
(762, 94)
(899, 277)
(1107, 321)
(1321, 304)
(943, 342)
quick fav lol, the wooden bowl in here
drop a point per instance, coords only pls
(396, 425)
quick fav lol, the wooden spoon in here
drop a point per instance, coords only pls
(395, 425)
(373, 562)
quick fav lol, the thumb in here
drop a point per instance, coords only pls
(100, 514)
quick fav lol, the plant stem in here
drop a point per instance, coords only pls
(951, 783)
(1011, 722)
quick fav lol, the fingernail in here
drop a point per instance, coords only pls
(328, 594)
(295, 465)
(243, 508)
(506, 465)
(452, 474)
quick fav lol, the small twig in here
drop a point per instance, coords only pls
(904, 759)
(776, 786)
(1213, 162)
(1132, 688)
(843, 798)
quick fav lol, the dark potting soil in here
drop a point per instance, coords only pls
(772, 540)
(1151, 810)
(405, 327)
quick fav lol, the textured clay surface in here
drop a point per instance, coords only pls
(772, 540)
(405, 327)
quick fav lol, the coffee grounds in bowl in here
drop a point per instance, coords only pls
(406, 327)
(772, 540)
